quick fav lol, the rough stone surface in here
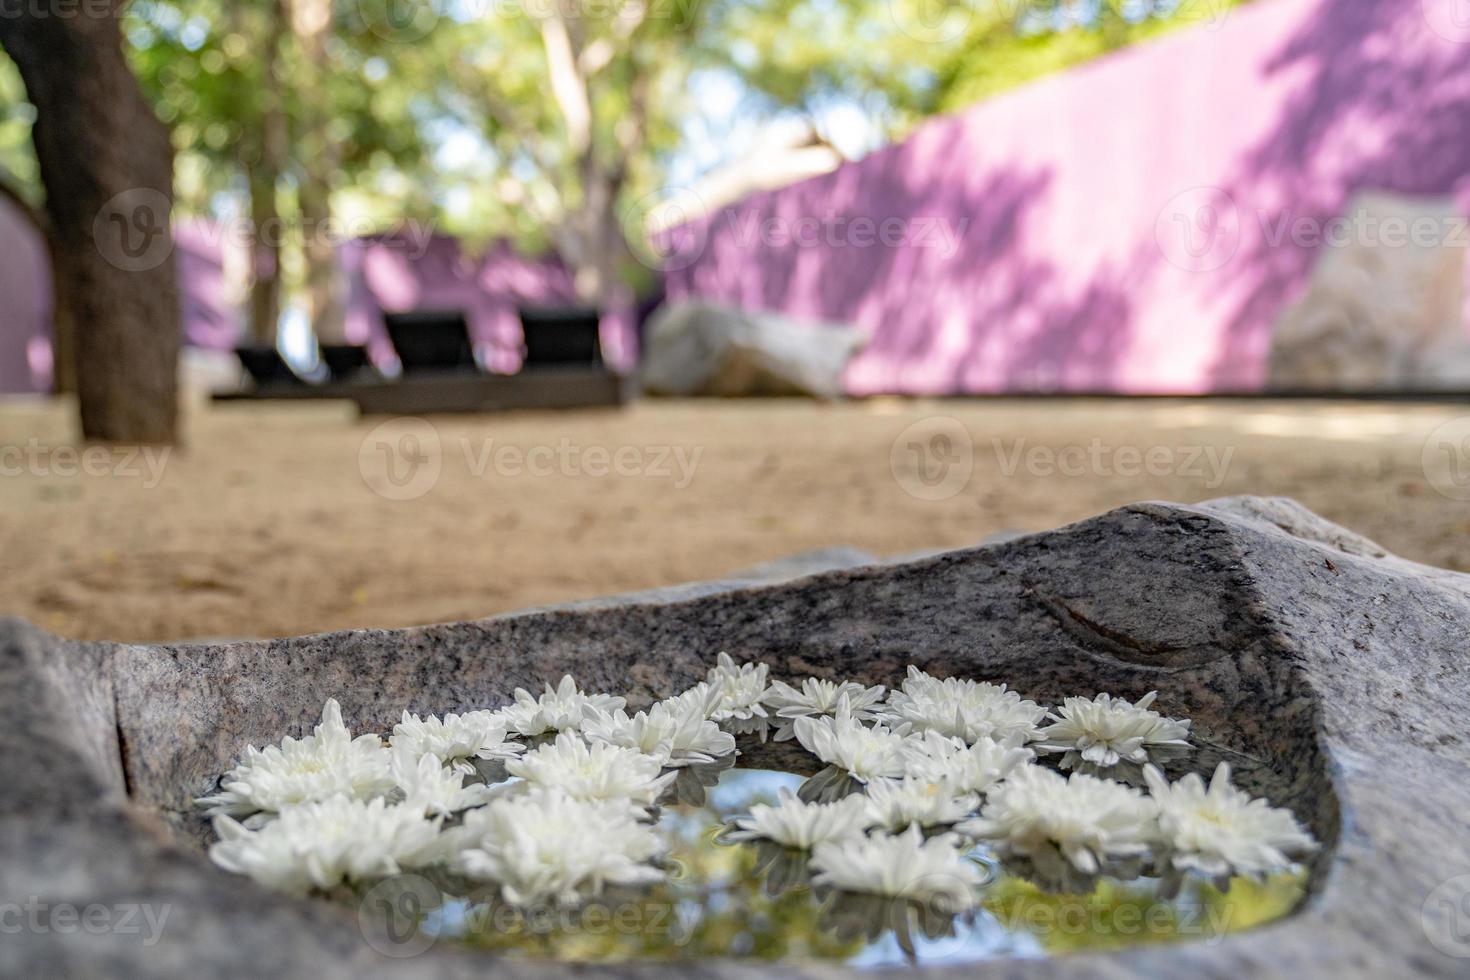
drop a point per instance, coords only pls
(1330, 673)
(703, 349)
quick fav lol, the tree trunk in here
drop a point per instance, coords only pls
(107, 166)
(265, 254)
(264, 167)
(312, 22)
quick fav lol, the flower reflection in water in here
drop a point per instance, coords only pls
(756, 899)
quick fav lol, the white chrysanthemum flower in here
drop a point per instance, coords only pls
(593, 772)
(640, 732)
(1219, 831)
(1105, 731)
(1039, 814)
(742, 688)
(965, 709)
(434, 789)
(900, 866)
(697, 740)
(322, 844)
(328, 762)
(546, 846)
(455, 739)
(676, 731)
(819, 697)
(844, 742)
(897, 804)
(968, 768)
(558, 709)
(801, 826)
(704, 698)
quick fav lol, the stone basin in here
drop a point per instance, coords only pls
(1328, 672)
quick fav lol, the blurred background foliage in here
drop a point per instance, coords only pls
(546, 120)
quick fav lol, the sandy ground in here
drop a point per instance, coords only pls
(275, 520)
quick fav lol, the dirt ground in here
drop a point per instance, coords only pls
(276, 520)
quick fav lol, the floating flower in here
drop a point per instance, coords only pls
(968, 768)
(897, 804)
(792, 823)
(1039, 814)
(328, 762)
(435, 790)
(1103, 732)
(819, 697)
(593, 772)
(455, 739)
(642, 733)
(322, 844)
(847, 744)
(900, 866)
(696, 739)
(558, 709)
(742, 688)
(547, 846)
(965, 709)
(1220, 831)
(704, 698)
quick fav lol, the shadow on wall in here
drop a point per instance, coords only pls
(1132, 225)
(1385, 105)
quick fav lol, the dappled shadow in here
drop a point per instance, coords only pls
(1383, 103)
(1073, 207)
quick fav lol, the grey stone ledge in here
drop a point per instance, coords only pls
(1331, 673)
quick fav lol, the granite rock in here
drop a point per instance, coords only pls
(705, 349)
(1330, 673)
(1382, 311)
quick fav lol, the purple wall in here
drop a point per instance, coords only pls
(1117, 227)
(25, 305)
(211, 317)
(397, 273)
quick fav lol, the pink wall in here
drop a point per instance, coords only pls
(399, 273)
(210, 317)
(1115, 227)
(25, 305)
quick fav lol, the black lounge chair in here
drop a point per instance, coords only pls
(432, 341)
(561, 337)
(267, 368)
(345, 361)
